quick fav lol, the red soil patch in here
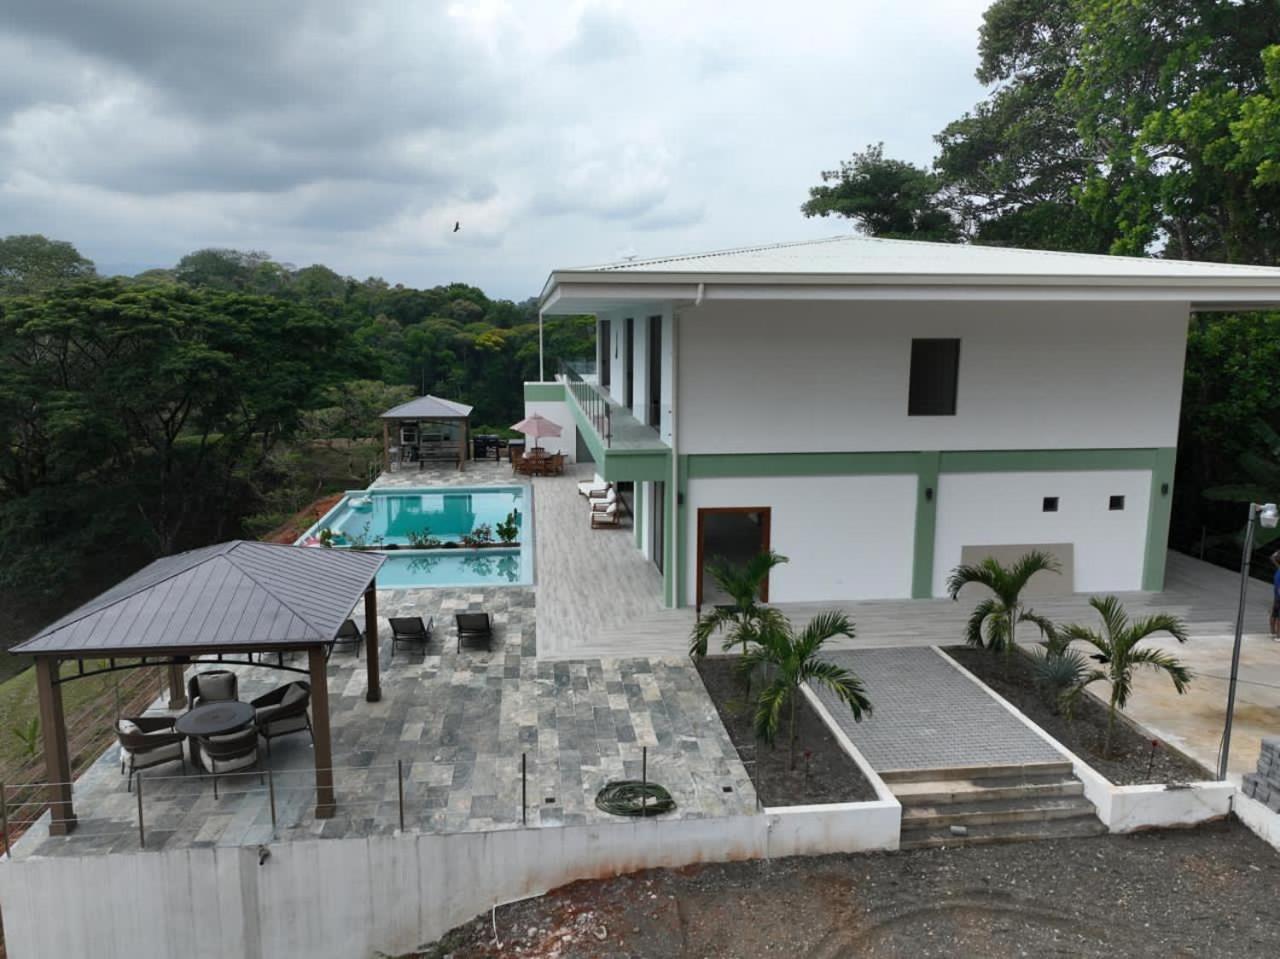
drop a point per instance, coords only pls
(302, 521)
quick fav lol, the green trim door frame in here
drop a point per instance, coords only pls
(926, 526)
(1159, 513)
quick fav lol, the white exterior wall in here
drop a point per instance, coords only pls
(805, 376)
(558, 413)
(848, 537)
(989, 509)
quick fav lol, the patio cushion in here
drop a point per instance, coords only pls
(228, 765)
(219, 687)
(295, 694)
(289, 724)
(128, 727)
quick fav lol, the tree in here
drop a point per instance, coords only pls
(32, 263)
(887, 198)
(789, 659)
(1119, 652)
(741, 618)
(994, 621)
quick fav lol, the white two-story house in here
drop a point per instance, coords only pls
(880, 410)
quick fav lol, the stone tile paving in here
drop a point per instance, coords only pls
(929, 715)
(459, 724)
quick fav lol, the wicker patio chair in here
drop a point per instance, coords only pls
(212, 686)
(283, 711)
(147, 741)
(229, 753)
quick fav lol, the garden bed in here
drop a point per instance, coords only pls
(824, 772)
(1133, 760)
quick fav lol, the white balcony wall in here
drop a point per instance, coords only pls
(802, 376)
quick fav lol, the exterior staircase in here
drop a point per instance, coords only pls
(990, 804)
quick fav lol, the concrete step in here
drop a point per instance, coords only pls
(973, 773)
(1028, 809)
(1002, 832)
(990, 790)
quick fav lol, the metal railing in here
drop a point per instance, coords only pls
(594, 404)
(407, 795)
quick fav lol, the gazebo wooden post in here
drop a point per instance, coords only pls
(374, 691)
(177, 688)
(325, 802)
(465, 432)
(386, 447)
(57, 761)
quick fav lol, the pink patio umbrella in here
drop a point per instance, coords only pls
(536, 426)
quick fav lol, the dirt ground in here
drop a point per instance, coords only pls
(1133, 758)
(1211, 891)
(824, 772)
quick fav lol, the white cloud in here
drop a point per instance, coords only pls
(556, 133)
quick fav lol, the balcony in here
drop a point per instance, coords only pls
(616, 427)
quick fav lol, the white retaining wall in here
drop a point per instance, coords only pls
(353, 897)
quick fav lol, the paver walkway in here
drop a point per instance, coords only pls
(929, 715)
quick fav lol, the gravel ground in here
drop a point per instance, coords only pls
(826, 775)
(1132, 758)
(1210, 891)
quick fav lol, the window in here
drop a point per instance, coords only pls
(1050, 504)
(935, 367)
(1116, 502)
(604, 343)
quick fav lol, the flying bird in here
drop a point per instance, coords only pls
(456, 226)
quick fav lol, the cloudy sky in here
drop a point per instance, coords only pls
(355, 134)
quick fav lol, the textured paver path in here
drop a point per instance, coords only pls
(929, 715)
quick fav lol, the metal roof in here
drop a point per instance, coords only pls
(428, 407)
(239, 594)
(855, 255)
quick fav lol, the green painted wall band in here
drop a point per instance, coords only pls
(926, 524)
(544, 392)
(1159, 512)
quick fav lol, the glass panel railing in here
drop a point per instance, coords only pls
(593, 403)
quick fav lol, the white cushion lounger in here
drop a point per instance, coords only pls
(594, 487)
(607, 501)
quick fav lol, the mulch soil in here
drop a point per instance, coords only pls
(1133, 759)
(824, 772)
(1209, 891)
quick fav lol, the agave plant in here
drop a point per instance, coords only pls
(789, 659)
(745, 615)
(994, 621)
(1119, 653)
(1058, 671)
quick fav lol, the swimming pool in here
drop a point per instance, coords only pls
(396, 522)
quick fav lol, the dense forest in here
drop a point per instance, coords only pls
(1136, 128)
(142, 415)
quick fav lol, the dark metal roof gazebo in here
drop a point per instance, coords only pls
(427, 409)
(237, 597)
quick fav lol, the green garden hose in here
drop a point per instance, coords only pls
(631, 797)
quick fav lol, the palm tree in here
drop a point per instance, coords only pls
(1119, 653)
(790, 659)
(994, 621)
(741, 618)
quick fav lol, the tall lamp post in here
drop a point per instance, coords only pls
(1267, 515)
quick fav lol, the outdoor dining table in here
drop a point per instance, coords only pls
(213, 719)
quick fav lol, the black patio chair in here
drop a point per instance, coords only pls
(349, 634)
(474, 628)
(283, 711)
(409, 629)
(229, 753)
(212, 686)
(147, 741)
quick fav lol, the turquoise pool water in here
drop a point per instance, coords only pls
(388, 518)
